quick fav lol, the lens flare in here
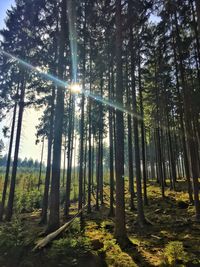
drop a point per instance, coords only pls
(75, 88)
(37, 69)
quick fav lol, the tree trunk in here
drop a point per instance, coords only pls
(47, 181)
(90, 143)
(9, 210)
(120, 228)
(141, 217)
(171, 156)
(130, 143)
(41, 162)
(54, 216)
(111, 152)
(98, 155)
(160, 162)
(69, 157)
(144, 167)
(2, 204)
(101, 142)
(85, 163)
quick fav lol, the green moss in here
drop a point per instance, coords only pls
(71, 246)
(174, 251)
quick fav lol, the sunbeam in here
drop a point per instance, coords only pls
(74, 87)
(111, 103)
(73, 37)
(38, 70)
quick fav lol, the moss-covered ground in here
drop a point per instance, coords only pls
(172, 238)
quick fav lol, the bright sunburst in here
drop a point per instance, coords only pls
(75, 88)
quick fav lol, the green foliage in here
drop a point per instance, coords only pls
(75, 227)
(12, 239)
(174, 251)
(28, 201)
(71, 247)
(109, 244)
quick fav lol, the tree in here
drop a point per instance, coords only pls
(8, 162)
(120, 227)
(54, 216)
(141, 217)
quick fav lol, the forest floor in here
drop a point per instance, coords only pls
(172, 238)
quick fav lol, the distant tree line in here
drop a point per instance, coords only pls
(24, 163)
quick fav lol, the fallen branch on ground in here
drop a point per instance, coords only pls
(50, 237)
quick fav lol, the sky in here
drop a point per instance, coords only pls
(27, 146)
(4, 5)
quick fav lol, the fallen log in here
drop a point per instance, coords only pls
(50, 237)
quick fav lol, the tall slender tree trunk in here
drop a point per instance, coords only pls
(160, 162)
(47, 181)
(41, 163)
(54, 216)
(120, 227)
(101, 167)
(9, 210)
(141, 217)
(82, 128)
(98, 172)
(85, 163)
(81, 154)
(90, 142)
(130, 143)
(144, 167)
(64, 164)
(111, 152)
(93, 163)
(171, 156)
(2, 204)
(69, 156)
(160, 170)
(152, 155)
(101, 143)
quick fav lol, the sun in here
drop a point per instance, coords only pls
(75, 88)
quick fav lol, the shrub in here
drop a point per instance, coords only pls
(71, 247)
(173, 252)
(12, 238)
(28, 201)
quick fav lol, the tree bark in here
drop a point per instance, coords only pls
(41, 162)
(111, 152)
(9, 211)
(69, 157)
(141, 217)
(2, 204)
(54, 216)
(144, 167)
(120, 228)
